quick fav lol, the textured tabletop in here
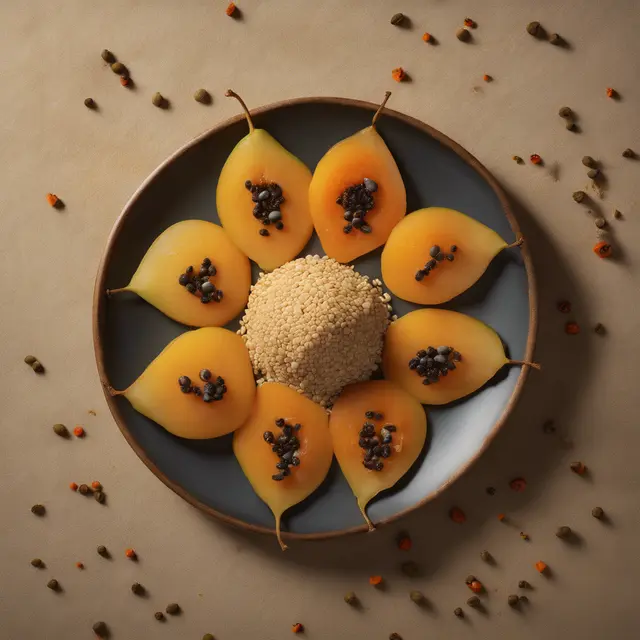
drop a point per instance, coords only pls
(238, 586)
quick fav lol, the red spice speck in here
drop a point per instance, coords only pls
(73, 486)
(468, 22)
(535, 158)
(611, 93)
(578, 467)
(125, 81)
(603, 250)
(404, 543)
(130, 553)
(79, 432)
(399, 74)
(375, 581)
(426, 37)
(96, 485)
(457, 515)
(52, 199)
(502, 517)
(297, 628)
(572, 328)
(231, 9)
(541, 566)
(487, 78)
(79, 565)
(476, 586)
(518, 484)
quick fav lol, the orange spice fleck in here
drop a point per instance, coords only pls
(572, 328)
(611, 93)
(541, 566)
(476, 586)
(535, 159)
(426, 37)
(603, 249)
(231, 9)
(404, 543)
(457, 515)
(398, 74)
(468, 22)
(502, 517)
(518, 484)
(487, 78)
(78, 432)
(297, 628)
(578, 467)
(73, 486)
(130, 553)
(52, 199)
(96, 485)
(79, 565)
(375, 581)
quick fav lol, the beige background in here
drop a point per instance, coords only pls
(239, 586)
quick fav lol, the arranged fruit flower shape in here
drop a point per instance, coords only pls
(200, 386)
(284, 448)
(435, 254)
(378, 431)
(357, 195)
(439, 356)
(194, 274)
(263, 198)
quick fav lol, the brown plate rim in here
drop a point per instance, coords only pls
(99, 301)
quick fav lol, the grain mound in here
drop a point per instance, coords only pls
(315, 325)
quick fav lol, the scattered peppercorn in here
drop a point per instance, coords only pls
(463, 34)
(491, 491)
(628, 153)
(38, 509)
(523, 584)
(158, 100)
(61, 430)
(535, 29)
(397, 19)
(535, 158)
(102, 551)
(458, 612)
(84, 489)
(351, 598)
(120, 69)
(565, 112)
(399, 74)
(612, 93)
(53, 584)
(375, 581)
(130, 553)
(100, 629)
(79, 565)
(78, 432)
(90, 103)
(99, 496)
(571, 125)
(593, 173)
(572, 328)
(603, 249)
(517, 159)
(138, 589)
(404, 542)
(417, 597)
(579, 196)
(395, 636)
(486, 556)
(457, 515)
(297, 628)
(410, 569)
(597, 512)
(548, 426)
(36, 562)
(542, 567)
(600, 222)
(469, 579)
(556, 39)
(513, 600)
(231, 9)
(173, 609)
(617, 214)
(202, 96)
(107, 56)
(158, 615)
(473, 601)
(518, 484)
(578, 467)
(208, 636)
(427, 37)
(563, 532)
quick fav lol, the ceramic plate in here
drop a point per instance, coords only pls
(129, 333)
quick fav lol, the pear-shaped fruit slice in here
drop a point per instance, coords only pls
(158, 393)
(356, 173)
(260, 165)
(186, 244)
(312, 448)
(435, 254)
(379, 403)
(473, 353)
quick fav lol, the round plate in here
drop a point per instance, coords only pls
(129, 333)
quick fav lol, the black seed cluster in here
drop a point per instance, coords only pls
(433, 363)
(357, 201)
(210, 392)
(437, 255)
(285, 446)
(199, 283)
(376, 445)
(267, 198)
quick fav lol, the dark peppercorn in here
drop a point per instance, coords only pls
(158, 100)
(53, 584)
(593, 173)
(397, 19)
(100, 497)
(588, 161)
(556, 39)
(598, 512)
(138, 589)
(473, 601)
(100, 629)
(36, 562)
(565, 112)
(395, 636)
(84, 489)
(410, 569)
(38, 509)
(513, 600)
(158, 615)
(263, 232)
(458, 612)
(523, 584)
(107, 56)
(208, 636)
(90, 103)
(464, 35)
(579, 196)
(486, 556)
(102, 551)
(628, 153)
(173, 609)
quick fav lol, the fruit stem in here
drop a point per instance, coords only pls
(113, 392)
(518, 243)
(111, 291)
(232, 94)
(283, 546)
(366, 517)
(526, 363)
(376, 115)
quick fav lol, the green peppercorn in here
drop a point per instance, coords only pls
(100, 629)
(463, 34)
(474, 601)
(102, 551)
(579, 196)
(61, 430)
(513, 600)
(100, 497)
(565, 112)
(397, 19)
(556, 40)
(351, 598)
(523, 584)
(570, 125)
(598, 512)
(138, 589)
(588, 161)
(36, 562)
(208, 636)
(53, 584)
(202, 96)
(417, 597)
(107, 56)
(30, 360)
(120, 69)
(158, 615)
(38, 509)
(535, 29)
(486, 556)
(593, 173)
(37, 367)
(158, 100)
(173, 609)
(458, 612)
